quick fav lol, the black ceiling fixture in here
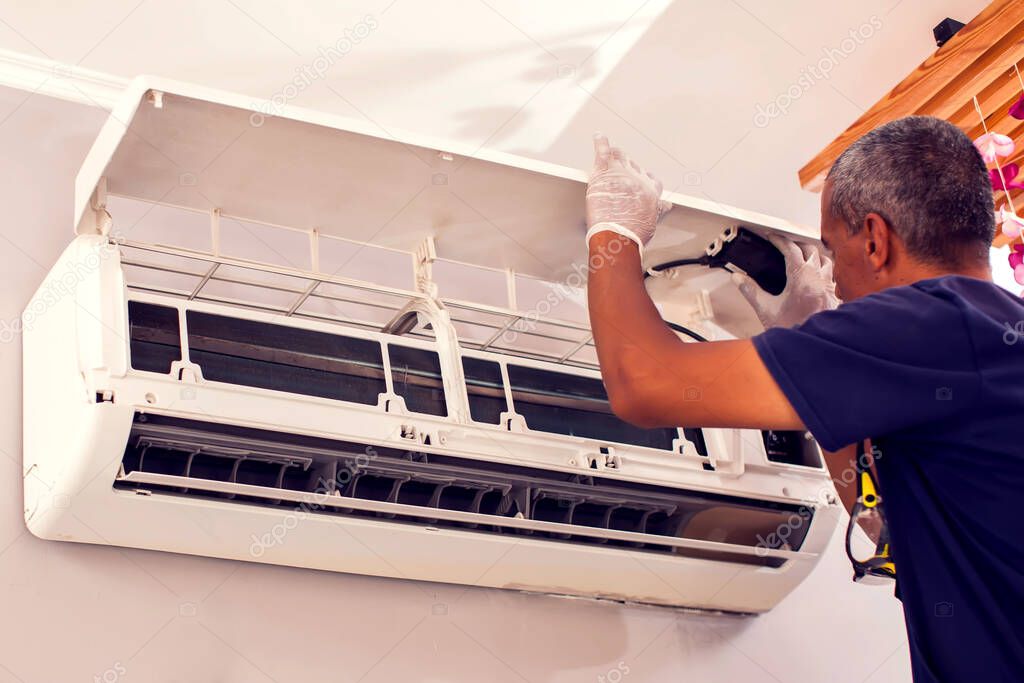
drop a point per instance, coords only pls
(946, 29)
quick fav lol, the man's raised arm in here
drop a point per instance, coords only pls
(652, 377)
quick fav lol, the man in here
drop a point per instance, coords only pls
(917, 359)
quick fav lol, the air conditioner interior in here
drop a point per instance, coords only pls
(346, 368)
(499, 316)
(186, 455)
(342, 367)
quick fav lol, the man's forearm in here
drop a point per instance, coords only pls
(653, 378)
(629, 333)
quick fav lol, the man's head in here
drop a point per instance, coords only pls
(908, 201)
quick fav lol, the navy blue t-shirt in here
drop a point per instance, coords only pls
(933, 373)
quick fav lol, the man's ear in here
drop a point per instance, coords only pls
(877, 241)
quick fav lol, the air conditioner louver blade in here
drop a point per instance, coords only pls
(273, 468)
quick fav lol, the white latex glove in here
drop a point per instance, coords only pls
(621, 196)
(809, 286)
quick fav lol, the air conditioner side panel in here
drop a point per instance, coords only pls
(69, 437)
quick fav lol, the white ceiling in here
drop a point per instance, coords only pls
(678, 84)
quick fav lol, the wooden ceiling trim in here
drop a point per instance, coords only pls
(976, 61)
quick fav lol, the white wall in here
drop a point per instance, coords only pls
(677, 83)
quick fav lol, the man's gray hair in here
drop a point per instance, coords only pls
(924, 176)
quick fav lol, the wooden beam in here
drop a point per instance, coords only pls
(978, 55)
(994, 98)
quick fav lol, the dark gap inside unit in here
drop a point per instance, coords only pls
(660, 523)
(462, 498)
(592, 514)
(628, 519)
(297, 478)
(299, 361)
(486, 389)
(370, 487)
(259, 473)
(155, 336)
(416, 377)
(280, 462)
(548, 508)
(215, 467)
(492, 503)
(163, 461)
(418, 493)
(696, 437)
(576, 406)
(791, 448)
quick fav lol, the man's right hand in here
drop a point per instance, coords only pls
(809, 286)
(622, 197)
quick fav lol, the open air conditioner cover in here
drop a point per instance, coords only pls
(200, 148)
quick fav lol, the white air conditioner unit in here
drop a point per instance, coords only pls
(181, 395)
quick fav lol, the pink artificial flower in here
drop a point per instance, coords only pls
(994, 145)
(1017, 109)
(1010, 172)
(1012, 224)
(1016, 256)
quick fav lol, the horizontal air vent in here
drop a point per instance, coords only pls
(192, 458)
(576, 406)
(155, 337)
(283, 358)
(307, 362)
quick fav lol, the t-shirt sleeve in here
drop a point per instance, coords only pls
(890, 361)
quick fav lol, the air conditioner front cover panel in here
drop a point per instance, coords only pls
(204, 149)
